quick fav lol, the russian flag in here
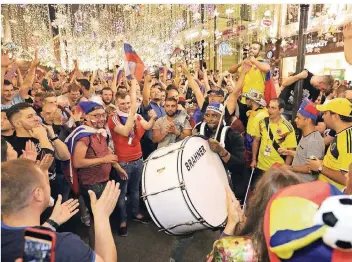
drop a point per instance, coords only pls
(119, 76)
(169, 71)
(133, 65)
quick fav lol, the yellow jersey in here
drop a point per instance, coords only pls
(339, 155)
(254, 79)
(284, 135)
(254, 118)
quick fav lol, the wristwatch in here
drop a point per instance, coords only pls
(320, 169)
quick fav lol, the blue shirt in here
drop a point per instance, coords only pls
(69, 247)
(16, 100)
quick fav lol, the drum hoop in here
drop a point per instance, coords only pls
(184, 192)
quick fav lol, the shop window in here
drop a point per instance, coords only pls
(292, 14)
(318, 10)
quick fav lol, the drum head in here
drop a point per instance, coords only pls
(205, 180)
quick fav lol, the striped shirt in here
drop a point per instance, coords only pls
(98, 148)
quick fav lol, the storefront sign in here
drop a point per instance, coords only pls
(267, 22)
(311, 46)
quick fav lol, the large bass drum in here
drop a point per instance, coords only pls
(183, 186)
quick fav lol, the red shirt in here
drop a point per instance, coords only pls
(124, 151)
(98, 148)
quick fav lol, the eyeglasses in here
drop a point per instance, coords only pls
(99, 115)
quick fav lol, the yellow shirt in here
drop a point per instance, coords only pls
(339, 155)
(283, 134)
(254, 79)
(254, 118)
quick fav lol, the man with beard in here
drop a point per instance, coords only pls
(127, 129)
(107, 97)
(173, 127)
(255, 78)
(91, 154)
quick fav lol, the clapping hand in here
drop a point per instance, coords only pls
(46, 162)
(30, 151)
(106, 204)
(171, 128)
(63, 212)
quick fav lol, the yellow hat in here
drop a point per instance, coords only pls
(339, 106)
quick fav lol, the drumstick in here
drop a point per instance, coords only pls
(221, 118)
(249, 184)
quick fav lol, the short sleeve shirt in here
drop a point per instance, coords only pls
(16, 100)
(310, 145)
(339, 155)
(181, 122)
(283, 134)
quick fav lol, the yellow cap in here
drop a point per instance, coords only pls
(339, 106)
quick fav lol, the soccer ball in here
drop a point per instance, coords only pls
(336, 213)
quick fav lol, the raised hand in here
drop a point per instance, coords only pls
(30, 151)
(63, 212)
(106, 204)
(46, 162)
(6, 60)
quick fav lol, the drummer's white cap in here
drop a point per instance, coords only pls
(216, 107)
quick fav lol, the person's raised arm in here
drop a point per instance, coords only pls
(78, 73)
(164, 75)
(146, 89)
(195, 88)
(206, 80)
(292, 79)
(263, 67)
(125, 130)
(29, 79)
(5, 62)
(234, 69)
(114, 81)
(94, 76)
(19, 76)
(102, 208)
(347, 39)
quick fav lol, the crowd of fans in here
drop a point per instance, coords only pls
(56, 127)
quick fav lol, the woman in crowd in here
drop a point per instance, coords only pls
(243, 237)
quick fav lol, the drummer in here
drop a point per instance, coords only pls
(228, 144)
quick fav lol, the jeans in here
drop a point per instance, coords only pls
(134, 170)
(179, 246)
(97, 188)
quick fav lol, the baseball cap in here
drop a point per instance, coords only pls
(339, 106)
(308, 109)
(218, 92)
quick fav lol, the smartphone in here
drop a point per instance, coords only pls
(39, 245)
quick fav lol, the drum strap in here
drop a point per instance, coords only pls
(202, 128)
(223, 135)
